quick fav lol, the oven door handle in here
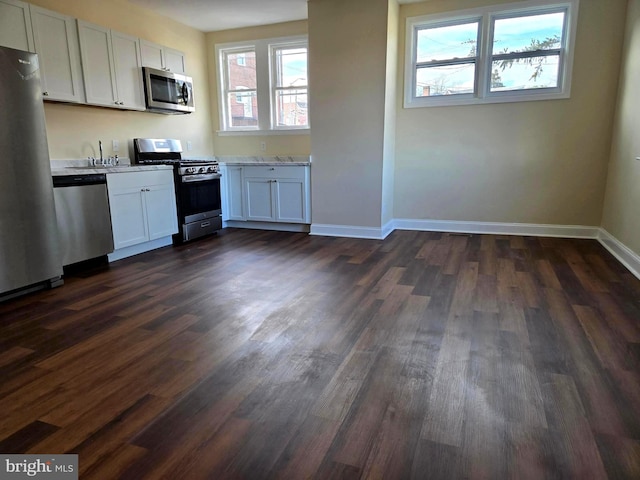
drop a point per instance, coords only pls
(199, 178)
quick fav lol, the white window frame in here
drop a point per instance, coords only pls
(487, 16)
(264, 85)
(273, 48)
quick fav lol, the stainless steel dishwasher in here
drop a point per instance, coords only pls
(84, 221)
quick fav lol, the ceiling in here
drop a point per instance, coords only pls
(212, 15)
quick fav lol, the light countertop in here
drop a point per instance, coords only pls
(81, 167)
(266, 160)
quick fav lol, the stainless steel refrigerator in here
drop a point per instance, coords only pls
(29, 254)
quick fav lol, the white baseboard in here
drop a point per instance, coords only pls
(140, 248)
(282, 227)
(351, 231)
(526, 229)
(624, 254)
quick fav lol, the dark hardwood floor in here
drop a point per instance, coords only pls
(253, 355)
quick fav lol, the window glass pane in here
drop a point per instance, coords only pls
(241, 70)
(242, 109)
(291, 108)
(445, 80)
(525, 73)
(524, 34)
(291, 67)
(445, 43)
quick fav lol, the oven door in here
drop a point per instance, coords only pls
(199, 199)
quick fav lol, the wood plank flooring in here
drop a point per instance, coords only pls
(273, 355)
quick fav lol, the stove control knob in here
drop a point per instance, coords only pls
(201, 170)
(211, 170)
(190, 170)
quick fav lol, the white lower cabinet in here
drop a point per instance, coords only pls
(143, 207)
(232, 198)
(260, 199)
(291, 200)
(267, 193)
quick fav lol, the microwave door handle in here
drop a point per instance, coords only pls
(185, 94)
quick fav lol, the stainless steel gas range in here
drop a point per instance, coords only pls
(197, 186)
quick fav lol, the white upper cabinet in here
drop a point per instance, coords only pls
(162, 58)
(97, 64)
(174, 60)
(81, 62)
(128, 70)
(56, 43)
(111, 67)
(15, 25)
(152, 54)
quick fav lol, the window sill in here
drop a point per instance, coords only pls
(468, 100)
(233, 133)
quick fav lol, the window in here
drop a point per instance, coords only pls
(240, 89)
(263, 85)
(508, 53)
(289, 86)
(446, 59)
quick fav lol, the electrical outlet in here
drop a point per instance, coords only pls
(263, 146)
(116, 145)
(189, 145)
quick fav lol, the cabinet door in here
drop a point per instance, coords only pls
(15, 25)
(259, 199)
(56, 42)
(290, 200)
(128, 71)
(234, 209)
(97, 64)
(174, 60)
(152, 54)
(128, 217)
(162, 217)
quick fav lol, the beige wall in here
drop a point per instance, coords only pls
(622, 213)
(73, 131)
(539, 162)
(347, 67)
(291, 144)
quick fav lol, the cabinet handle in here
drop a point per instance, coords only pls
(272, 168)
(46, 94)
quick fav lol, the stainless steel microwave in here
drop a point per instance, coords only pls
(167, 92)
